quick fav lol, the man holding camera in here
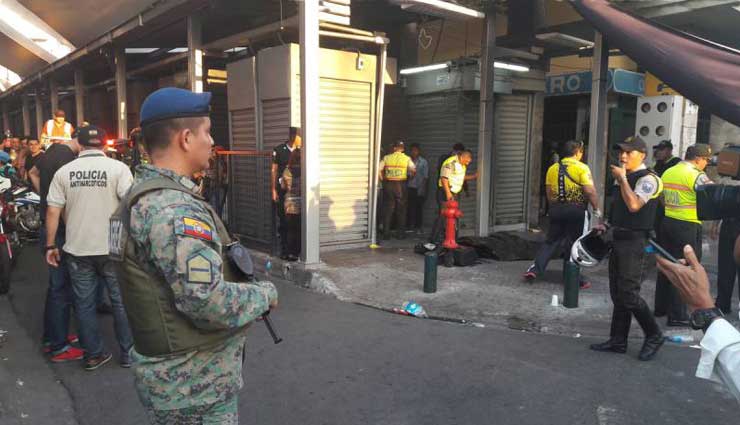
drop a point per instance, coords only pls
(681, 225)
(632, 217)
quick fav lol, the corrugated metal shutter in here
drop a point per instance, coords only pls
(245, 214)
(436, 122)
(510, 159)
(345, 131)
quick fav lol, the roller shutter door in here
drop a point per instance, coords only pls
(510, 159)
(346, 131)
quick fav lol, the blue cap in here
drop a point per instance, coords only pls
(4, 157)
(170, 102)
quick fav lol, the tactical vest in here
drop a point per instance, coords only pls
(396, 166)
(457, 179)
(158, 328)
(640, 220)
(679, 195)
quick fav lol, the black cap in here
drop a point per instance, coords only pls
(634, 143)
(664, 144)
(91, 136)
(398, 144)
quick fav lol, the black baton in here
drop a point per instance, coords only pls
(266, 318)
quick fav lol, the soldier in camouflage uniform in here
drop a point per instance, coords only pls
(188, 314)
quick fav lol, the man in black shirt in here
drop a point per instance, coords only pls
(58, 296)
(32, 155)
(664, 159)
(280, 157)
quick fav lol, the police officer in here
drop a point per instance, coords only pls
(632, 218)
(664, 159)
(570, 188)
(280, 157)
(394, 170)
(681, 227)
(453, 176)
(187, 305)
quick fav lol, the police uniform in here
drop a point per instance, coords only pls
(280, 157)
(566, 180)
(395, 168)
(187, 305)
(679, 228)
(454, 171)
(629, 261)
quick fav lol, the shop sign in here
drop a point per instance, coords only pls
(618, 81)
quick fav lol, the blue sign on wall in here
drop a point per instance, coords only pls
(618, 81)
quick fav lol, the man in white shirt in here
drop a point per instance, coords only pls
(87, 191)
(720, 347)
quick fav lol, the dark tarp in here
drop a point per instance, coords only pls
(705, 72)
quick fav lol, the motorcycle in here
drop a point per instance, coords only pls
(25, 211)
(10, 244)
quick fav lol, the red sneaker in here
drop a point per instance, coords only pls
(72, 338)
(69, 354)
(585, 285)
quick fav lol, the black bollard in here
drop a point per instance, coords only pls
(430, 272)
(572, 277)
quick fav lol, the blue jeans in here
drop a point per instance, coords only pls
(84, 272)
(58, 298)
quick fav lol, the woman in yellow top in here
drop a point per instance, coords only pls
(570, 188)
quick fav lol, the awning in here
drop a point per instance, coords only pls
(703, 71)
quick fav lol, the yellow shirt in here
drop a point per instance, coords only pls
(580, 175)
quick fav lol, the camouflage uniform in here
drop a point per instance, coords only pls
(200, 386)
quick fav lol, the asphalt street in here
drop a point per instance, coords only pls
(342, 363)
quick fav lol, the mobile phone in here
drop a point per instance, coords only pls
(660, 250)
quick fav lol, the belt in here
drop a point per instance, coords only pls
(628, 234)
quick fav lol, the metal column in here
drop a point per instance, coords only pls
(380, 99)
(485, 126)
(121, 109)
(80, 96)
(54, 95)
(6, 118)
(597, 136)
(195, 53)
(39, 113)
(26, 113)
(308, 18)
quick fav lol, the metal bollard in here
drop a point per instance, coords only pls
(430, 272)
(571, 276)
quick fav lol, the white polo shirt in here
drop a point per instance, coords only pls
(89, 190)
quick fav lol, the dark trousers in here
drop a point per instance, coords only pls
(627, 266)
(439, 222)
(566, 225)
(57, 311)
(293, 234)
(415, 218)
(282, 225)
(728, 271)
(394, 205)
(673, 236)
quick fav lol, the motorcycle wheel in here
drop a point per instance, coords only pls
(5, 268)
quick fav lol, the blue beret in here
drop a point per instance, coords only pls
(4, 157)
(170, 102)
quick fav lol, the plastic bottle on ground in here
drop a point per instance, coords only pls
(678, 339)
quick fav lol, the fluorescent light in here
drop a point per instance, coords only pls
(178, 50)
(443, 9)
(424, 68)
(8, 78)
(511, 67)
(140, 50)
(50, 43)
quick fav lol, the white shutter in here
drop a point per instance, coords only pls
(345, 131)
(510, 161)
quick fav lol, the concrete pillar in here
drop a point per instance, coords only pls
(54, 95)
(40, 119)
(311, 161)
(80, 96)
(6, 118)
(121, 109)
(26, 113)
(195, 53)
(485, 125)
(598, 149)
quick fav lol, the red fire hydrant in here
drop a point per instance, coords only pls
(451, 212)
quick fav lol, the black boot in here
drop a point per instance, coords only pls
(651, 346)
(617, 343)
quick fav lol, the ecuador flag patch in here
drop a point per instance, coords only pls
(197, 229)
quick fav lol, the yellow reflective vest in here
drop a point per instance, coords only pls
(455, 173)
(396, 166)
(679, 193)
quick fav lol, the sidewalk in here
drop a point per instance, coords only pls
(31, 392)
(491, 293)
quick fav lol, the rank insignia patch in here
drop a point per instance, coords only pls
(199, 270)
(197, 229)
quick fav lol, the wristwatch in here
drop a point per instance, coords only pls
(701, 319)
